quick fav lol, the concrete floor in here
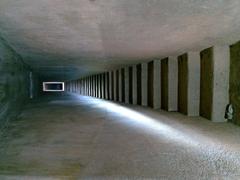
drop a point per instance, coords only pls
(76, 137)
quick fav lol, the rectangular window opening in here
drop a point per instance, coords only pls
(53, 86)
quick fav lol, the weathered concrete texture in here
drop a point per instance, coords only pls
(14, 83)
(76, 137)
(234, 81)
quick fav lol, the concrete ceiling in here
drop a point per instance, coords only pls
(69, 38)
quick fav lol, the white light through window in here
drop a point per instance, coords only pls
(53, 86)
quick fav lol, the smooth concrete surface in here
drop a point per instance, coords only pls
(69, 39)
(77, 137)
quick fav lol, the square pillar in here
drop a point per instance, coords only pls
(169, 83)
(157, 84)
(134, 84)
(110, 85)
(193, 84)
(120, 85)
(107, 85)
(144, 84)
(139, 84)
(214, 83)
(126, 85)
(221, 64)
(234, 92)
(115, 85)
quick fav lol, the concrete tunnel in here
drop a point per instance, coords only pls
(130, 89)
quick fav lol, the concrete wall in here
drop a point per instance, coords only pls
(234, 81)
(14, 83)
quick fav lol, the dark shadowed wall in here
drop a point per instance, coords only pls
(235, 81)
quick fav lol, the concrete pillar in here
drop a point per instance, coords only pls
(169, 85)
(172, 83)
(120, 85)
(115, 85)
(85, 85)
(78, 86)
(134, 85)
(103, 85)
(157, 84)
(123, 84)
(90, 85)
(139, 84)
(82, 87)
(106, 85)
(193, 83)
(110, 86)
(88, 81)
(234, 84)
(95, 86)
(144, 84)
(99, 86)
(221, 70)
(126, 82)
